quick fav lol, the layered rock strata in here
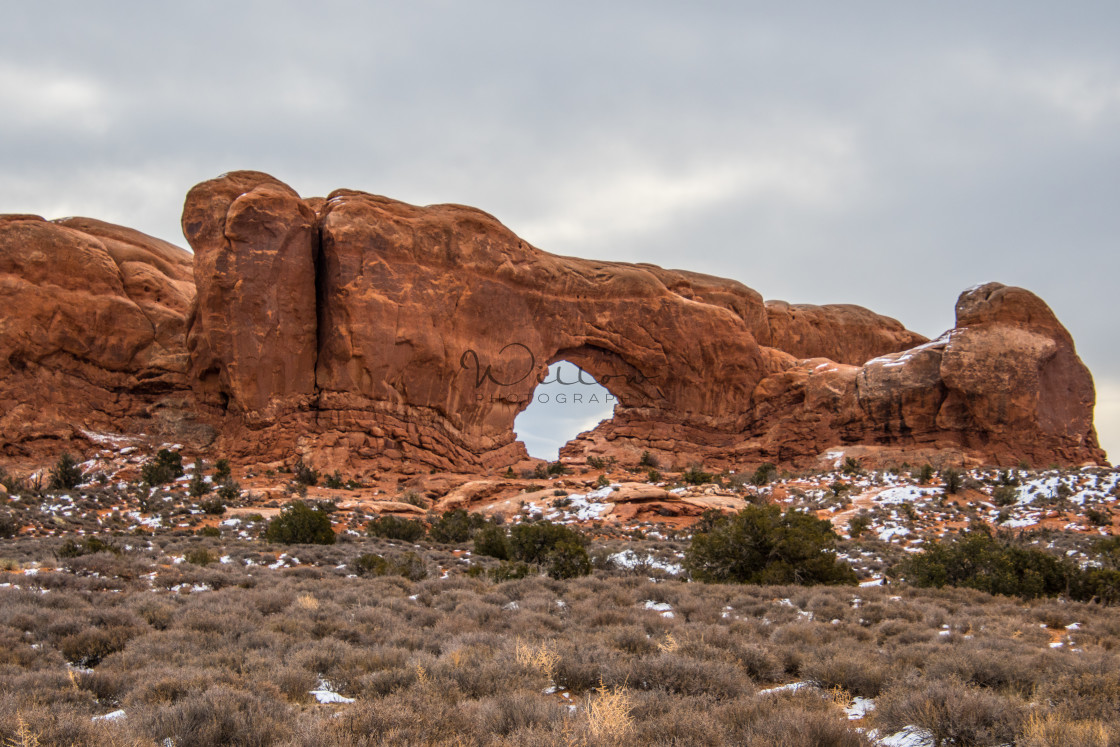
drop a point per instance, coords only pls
(362, 332)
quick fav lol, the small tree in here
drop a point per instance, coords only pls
(765, 473)
(858, 524)
(167, 466)
(852, 467)
(304, 475)
(953, 479)
(198, 486)
(298, 523)
(761, 545)
(491, 541)
(222, 471)
(393, 527)
(66, 474)
(456, 526)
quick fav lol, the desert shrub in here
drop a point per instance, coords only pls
(532, 543)
(925, 474)
(765, 474)
(567, 559)
(761, 545)
(9, 525)
(66, 473)
(859, 524)
(491, 541)
(648, 460)
(1098, 517)
(851, 467)
(199, 556)
(198, 486)
(229, 491)
(72, 549)
(1096, 585)
(298, 523)
(303, 474)
(953, 479)
(334, 481)
(370, 564)
(951, 711)
(213, 506)
(219, 715)
(977, 560)
(1004, 495)
(857, 673)
(167, 466)
(222, 470)
(509, 572)
(1053, 730)
(695, 475)
(409, 565)
(457, 525)
(88, 647)
(393, 527)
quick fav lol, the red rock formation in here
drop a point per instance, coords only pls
(92, 333)
(362, 332)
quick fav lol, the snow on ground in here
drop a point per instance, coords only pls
(326, 694)
(630, 560)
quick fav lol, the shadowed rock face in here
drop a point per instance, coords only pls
(364, 332)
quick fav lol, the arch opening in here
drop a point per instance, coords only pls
(566, 403)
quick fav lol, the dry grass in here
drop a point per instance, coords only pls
(608, 714)
(229, 652)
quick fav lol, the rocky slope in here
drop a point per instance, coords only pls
(363, 332)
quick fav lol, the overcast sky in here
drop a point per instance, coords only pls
(859, 152)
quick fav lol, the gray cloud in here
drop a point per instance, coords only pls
(820, 152)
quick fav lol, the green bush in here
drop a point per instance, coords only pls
(509, 572)
(953, 479)
(765, 474)
(334, 481)
(88, 546)
(222, 471)
(304, 475)
(925, 474)
(695, 475)
(167, 466)
(298, 523)
(456, 526)
(393, 527)
(410, 565)
(648, 460)
(214, 507)
(199, 556)
(9, 525)
(532, 543)
(859, 524)
(370, 564)
(198, 486)
(491, 541)
(66, 474)
(229, 491)
(977, 560)
(761, 545)
(567, 559)
(1004, 495)
(852, 467)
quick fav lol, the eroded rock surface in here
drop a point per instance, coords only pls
(92, 333)
(363, 333)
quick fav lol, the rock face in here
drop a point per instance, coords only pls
(362, 332)
(92, 332)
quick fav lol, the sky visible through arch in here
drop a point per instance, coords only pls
(568, 402)
(884, 154)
